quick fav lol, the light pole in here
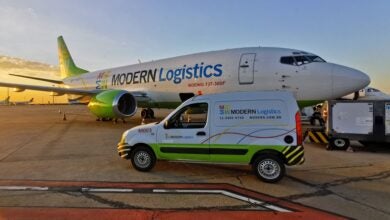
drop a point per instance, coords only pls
(7, 101)
(53, 95)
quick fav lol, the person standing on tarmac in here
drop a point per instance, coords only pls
(317, 116)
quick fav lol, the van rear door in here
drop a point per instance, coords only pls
(242, 127)
(185, 135)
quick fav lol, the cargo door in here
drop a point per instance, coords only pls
(246, 68)
(387, 115)
(353, 118)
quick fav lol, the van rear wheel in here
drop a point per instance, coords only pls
(269, 168)
(143, 158)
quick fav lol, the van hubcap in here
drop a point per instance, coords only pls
(268, 169)
(142, 159)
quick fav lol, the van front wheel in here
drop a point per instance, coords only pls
(269, 168)
(143, 159)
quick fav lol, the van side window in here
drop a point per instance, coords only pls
(190, 116)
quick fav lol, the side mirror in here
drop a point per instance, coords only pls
(166, 124)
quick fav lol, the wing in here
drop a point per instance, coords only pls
(139, 95)
(37, 78)
(51, 89)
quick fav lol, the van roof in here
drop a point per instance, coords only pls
(246, 95)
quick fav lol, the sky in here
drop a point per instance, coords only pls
(102, 34)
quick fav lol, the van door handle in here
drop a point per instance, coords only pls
(201, 133)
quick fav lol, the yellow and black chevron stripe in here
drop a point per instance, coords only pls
(319, 137)
(294, 155)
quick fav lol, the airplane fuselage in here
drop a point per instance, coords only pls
(243, 69)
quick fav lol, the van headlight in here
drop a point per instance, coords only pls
(123, 138)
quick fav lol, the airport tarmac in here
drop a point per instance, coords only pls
(53, 166)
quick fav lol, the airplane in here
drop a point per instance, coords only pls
(23, 102)
(368, 93)
(5, 101)
(115, 93)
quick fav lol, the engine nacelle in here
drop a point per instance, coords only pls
(56, 94)
(18, 89)
(113, 104)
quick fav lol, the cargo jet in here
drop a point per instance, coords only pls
(368, 93)
(115, 93)
(23, 102)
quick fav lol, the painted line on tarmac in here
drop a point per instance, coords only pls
(176, 191)
(226, 193)
(106, 190)
(275, 208)
(26, 188)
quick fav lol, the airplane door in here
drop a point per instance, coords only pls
(246, 68)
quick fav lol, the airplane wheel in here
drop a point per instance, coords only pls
(147, 113)
(144, 113)
(338, 144)
(150, 113)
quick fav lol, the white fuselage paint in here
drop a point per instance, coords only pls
(263, 71)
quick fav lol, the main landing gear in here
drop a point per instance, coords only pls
(115, 120)
(147, 113)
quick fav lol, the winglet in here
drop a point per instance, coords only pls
(67, 66)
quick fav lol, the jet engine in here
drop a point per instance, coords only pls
(18, 90)
(113, 104)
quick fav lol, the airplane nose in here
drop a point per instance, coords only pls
(347, 80)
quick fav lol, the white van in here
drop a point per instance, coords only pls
(262, 129)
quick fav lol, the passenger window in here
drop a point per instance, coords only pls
(287, 60)
(191, 116)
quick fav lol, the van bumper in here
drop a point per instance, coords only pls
(124, 150)
(294, 155)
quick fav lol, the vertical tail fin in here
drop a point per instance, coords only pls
(67, 66)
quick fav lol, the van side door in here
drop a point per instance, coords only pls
(185, 135)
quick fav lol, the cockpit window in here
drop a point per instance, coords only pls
(372, 90)
(300, 60)
(316, 59)
(287, 60)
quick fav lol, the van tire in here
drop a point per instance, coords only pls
(269, 168)
(143, 158)
(338, 144)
